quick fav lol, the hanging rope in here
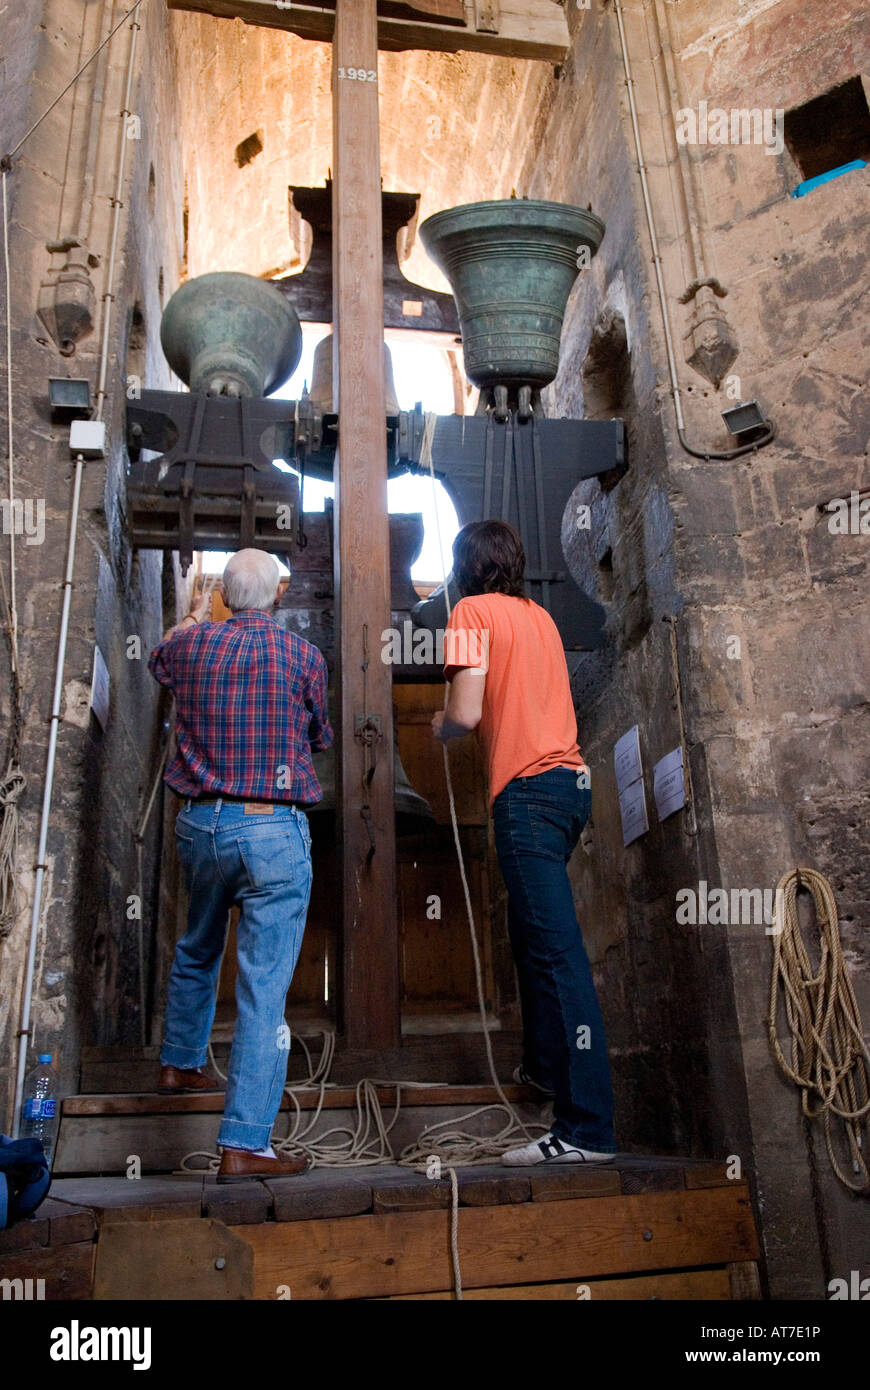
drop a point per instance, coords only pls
(830, 1061)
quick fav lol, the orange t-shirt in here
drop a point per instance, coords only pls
(528, 724)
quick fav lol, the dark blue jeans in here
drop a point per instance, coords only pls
(537, 823)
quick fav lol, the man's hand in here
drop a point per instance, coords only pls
(198, 614)
(201, 609)
(438, 725)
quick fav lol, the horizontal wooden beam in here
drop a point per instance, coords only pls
(696, 1285)
(534, 29)
(381, 1256)
(338, 1098)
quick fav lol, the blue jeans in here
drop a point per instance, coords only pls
(537, 822)
(262, 863)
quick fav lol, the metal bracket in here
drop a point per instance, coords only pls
(367, 728)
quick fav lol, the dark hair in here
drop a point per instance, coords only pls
(488, 558)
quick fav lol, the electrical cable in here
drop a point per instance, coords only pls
(770, 427)
(5, 162)
(25, 1024)
(13, 783)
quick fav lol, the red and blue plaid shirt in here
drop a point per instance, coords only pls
(250, 706)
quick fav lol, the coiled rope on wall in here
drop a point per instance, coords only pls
(830, 1061)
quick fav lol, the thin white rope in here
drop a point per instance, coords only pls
(426, 458)
(454, 1234)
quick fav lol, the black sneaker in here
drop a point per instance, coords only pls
(522, 1078)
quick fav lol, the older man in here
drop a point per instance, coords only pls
(250, 706)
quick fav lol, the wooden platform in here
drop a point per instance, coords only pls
(99, 1133)
(642, 1228)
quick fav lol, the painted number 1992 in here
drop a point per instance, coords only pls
(358, 74)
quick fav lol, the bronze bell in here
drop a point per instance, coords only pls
(413, 812)
(321, 379)
(229, 334)
(511, 265)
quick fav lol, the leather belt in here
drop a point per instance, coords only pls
(251, 808)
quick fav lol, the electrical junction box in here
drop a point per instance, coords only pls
(88, 438)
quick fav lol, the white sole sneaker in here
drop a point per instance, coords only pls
(549, 1149)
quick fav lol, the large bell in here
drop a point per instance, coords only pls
(321, 379)
(228, 334)
(511, 265)
(413, 812)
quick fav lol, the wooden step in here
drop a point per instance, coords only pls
(455, 1057)
(334, 1098)
(402, 1253)
(643, 1227)
(102, 1133)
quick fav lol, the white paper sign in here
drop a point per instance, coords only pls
(100, 689)
(669, 784)
(632, 808)
(626, 759)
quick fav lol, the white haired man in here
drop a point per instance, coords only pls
(250, 706)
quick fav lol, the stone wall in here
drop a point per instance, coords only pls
(776, 723)
(61, 189)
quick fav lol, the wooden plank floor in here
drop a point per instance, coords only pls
(325, 1192)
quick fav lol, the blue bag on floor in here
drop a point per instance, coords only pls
(24, 1178)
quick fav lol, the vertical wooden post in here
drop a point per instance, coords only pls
(362, 558)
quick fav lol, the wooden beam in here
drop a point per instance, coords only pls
(367, 833)
(339, 1098)
(534, 29)
(693, 1286)
(188, 1259)
(381, 1256)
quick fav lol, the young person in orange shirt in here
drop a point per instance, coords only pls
(509, 682)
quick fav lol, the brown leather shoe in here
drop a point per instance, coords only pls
(176, 1079)
(239, 1164)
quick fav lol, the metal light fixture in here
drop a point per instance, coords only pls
(69, 397)
(744, 417)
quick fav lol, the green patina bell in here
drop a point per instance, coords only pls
(229, 334)
(511, 265)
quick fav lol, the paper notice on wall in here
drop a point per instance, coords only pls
(626, 759)
(632, 808)
(669, 785)
(100, 689)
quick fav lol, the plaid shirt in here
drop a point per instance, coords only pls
(250, 706)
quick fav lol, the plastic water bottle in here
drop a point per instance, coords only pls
(39, 1116)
